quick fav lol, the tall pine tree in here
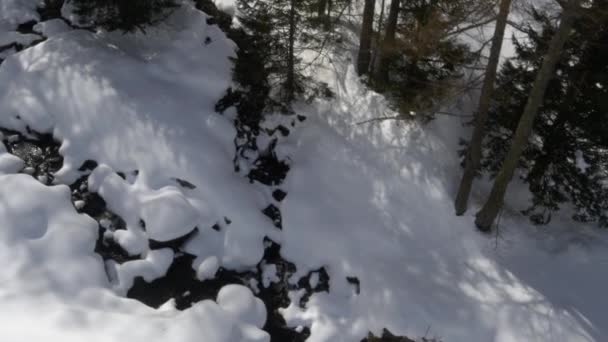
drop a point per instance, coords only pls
(566, 158)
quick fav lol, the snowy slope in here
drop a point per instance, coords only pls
(374, 202)
(368, 202)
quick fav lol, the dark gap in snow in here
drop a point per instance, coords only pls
(387, 336)
(184, 183)
(51, 9)
(320, 284)
(181, 284)
(279, 195)
(175, 244)
(27, 27)
(109, 249)
(88, 165)
(354, 281)
(274, 214)
(276, 295)
(268, 169)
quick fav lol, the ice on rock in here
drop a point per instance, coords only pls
(240, 302)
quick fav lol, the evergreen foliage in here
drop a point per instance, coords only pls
(425, 61)
(278, 30)
(566, 159)
(123, 15)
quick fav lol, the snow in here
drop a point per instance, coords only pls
(49, 271)
(239, 301)
(51, 27)
(14, 12)
(8, 162)
(269, 274)
(375, 201)
(371, 201)
(208, 268)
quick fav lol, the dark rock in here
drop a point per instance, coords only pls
(88, 165)
(302, 118)
(354, 281)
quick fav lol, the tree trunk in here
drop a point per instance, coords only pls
(374, 62)
(365, 39)
(321, 6)
(388, 44)
(290, 84)
(473, 154)
(487, 215)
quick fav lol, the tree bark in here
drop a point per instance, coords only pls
(290, 84)
(374, 62)
(365, 38)
(388, 44)
(321, 6)
(473, 154)
(486, 216)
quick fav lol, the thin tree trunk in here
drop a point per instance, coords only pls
(290, 84)
(388, 44)
(365, 38)
(487, 215)
(322, 4)
(473, 154)
(374, 62)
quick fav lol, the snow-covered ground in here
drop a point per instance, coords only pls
(371, 202)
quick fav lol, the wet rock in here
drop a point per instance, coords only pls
(40, 152)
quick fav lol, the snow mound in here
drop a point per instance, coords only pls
(49, 271)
